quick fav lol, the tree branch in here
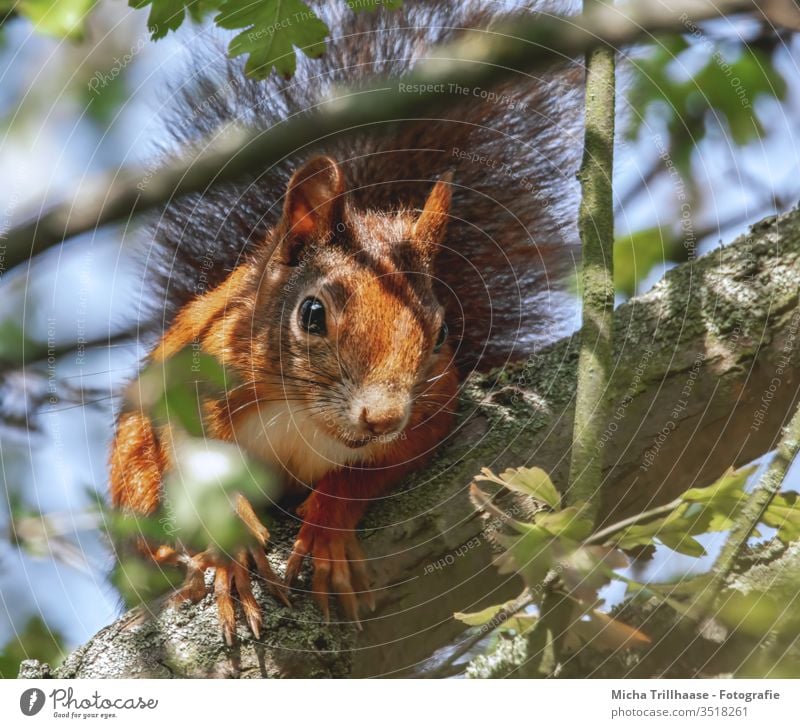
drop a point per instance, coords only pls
(768, 486)
(596, 226)
(479, 59)
(695, 361)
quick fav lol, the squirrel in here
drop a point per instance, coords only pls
(351, 287)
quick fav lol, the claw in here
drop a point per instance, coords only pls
(228, 575)
(299, 552)
(320, 579)
(241, 578)
(222, 595)
(358, 566)
(339, 567)
(275, 586)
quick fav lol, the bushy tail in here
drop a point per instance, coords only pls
(513, 150)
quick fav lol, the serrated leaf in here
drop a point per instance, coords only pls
(533, 482)
(484, 502)
(165, 15)
(568, 523)
(272, 30)
(729, 485)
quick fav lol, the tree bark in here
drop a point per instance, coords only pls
(704, 377)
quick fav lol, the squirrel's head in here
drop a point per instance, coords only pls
(362, 338)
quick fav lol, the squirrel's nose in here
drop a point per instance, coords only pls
(380, 409)
(383, 421)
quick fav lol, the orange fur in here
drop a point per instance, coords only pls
(137, 465)
(311, 405)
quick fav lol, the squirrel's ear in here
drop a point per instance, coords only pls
(314, 204)
(430, 226)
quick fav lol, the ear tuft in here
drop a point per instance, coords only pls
(431, 225)
(314, 204)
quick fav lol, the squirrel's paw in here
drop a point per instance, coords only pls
(339, 567)
(230, 574)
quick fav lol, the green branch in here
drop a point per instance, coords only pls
(596, 226)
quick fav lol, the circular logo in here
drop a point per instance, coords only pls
(31, 701)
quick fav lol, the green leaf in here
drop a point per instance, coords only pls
(584, 570)
(533, 482)
(529, 554)
(173, 391)
(567, 523)
(783, 513)
(514, 622)
(272, 29)
(704, 510)
(139, 582)
(199, 493)
(729, 485)
(59, 18)
(14, 341)
(478, 619)
(167, 15)
(682, 543)
(723, 90)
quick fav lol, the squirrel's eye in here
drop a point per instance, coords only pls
(443, 334)
(311, 316)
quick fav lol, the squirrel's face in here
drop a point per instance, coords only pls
(360, 324)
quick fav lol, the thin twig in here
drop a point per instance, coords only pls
(767, 488)
(596, 226)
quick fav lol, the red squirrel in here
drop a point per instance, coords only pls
(352, 288)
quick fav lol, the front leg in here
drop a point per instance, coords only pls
(333, 510)
(330, 516)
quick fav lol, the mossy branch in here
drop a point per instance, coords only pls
(722, 322)
(596, 226)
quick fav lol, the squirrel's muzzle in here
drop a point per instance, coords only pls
(380, 410)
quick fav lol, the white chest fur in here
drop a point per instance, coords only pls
(285, 436)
